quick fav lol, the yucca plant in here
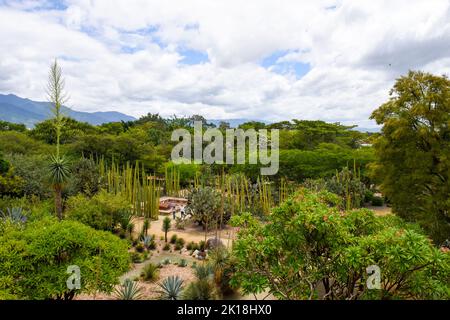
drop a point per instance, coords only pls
(166, 227)
(171, 288)
(129, 290)
(59, 174)
(59, 168)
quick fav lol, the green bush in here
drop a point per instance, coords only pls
(150, 272)
(359, 238)
(136, 257)
(180, 241)
(140, 247)
(34, 260)
(368, 196)
(104, 211)
(183, 263)
(377, 201)
(33, 172)
(173, 239)
(166, 247)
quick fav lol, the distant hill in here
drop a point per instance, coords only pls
(20, 110)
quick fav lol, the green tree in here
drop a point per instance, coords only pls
(85, 177)
(8, 126)
(413, 163)
(34, 260)
(310, 249)
(205, 205)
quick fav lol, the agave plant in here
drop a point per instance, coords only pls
(171, 288)
(147, 240)
(129, 290)
(15, 215)
(203, 271)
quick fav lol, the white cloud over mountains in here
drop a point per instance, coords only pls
(273, 60)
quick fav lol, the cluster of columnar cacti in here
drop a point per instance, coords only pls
(172, 181)
(141, 190)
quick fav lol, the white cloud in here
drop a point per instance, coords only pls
(125, 55)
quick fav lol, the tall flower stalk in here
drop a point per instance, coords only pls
(59, 168)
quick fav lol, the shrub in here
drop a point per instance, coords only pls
(140, 247)
(180, 224)
(200, 290)
(178, 246)
(202, 245)
(181, 242)
(192, 246)
(32, 170)
(166, 261)
(150, 272)
(166, 247)
(137, 257)
(37, 257)
(152, 245)
(85, 178)
(359, 238)
(368, 196)
(173, 239)
(183, 263)
(377, 201)
(103, 212)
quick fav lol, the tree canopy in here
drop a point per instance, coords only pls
(310, 249)
(413, 163)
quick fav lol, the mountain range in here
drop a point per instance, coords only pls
(21, 110)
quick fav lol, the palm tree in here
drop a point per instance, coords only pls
(166, 227)
(59, 168)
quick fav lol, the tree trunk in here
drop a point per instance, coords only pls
(58, 201)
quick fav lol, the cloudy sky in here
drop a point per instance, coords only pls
(333, 60)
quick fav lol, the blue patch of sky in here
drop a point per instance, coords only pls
(299, 69)
(191, 57)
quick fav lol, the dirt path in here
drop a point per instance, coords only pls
(380, 211)
(190, 233)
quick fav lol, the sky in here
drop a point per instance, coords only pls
(333, 60)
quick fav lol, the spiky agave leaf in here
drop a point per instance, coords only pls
(15, 215)
(129, 290)
(171, 288)
(59, 169)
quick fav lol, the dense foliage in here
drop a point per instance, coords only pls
(413, 163)
(34, 259)
(310, 249)
(104, 211)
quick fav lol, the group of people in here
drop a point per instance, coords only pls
(181, 209)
